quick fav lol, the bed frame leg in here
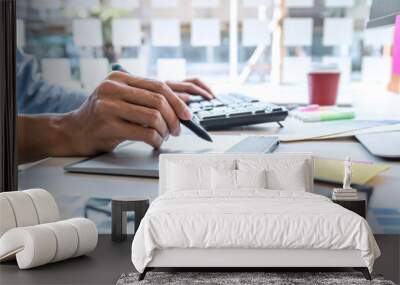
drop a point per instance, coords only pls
(365, 272)
(142, 275)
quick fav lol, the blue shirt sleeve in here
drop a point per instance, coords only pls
(35, 95)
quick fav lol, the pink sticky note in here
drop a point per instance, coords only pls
(309, 108)
(396, 48)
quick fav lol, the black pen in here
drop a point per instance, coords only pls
(191, 124)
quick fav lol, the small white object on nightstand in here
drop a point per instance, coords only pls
(346, 193)
(348, 173)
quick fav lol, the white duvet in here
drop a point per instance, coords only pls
(250, 219)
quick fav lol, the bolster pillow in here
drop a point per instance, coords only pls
(40, 244)
(26, 208)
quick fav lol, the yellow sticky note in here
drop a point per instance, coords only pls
(333, 170)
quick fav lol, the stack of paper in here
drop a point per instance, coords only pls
(339, 129)
(344, 194)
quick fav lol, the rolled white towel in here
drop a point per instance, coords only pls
(40, 244)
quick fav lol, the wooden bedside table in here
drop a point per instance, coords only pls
(358, 206)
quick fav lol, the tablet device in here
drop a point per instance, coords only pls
(140, 159)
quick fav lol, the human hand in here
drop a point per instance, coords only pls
(184, 89)
(126, 107)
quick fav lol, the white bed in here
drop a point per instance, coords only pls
(230, 226)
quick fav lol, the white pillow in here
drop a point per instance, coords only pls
(294, 179)
(183, 177)
(189, 176)
(282, 174)
(251, 179)
(226, 179)
(223, 179)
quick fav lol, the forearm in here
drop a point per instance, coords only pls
(37, 96)
(41, 136)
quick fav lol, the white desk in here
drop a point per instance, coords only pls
(367, 104)
(50, 175)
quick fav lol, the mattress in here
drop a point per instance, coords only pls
(251, 219)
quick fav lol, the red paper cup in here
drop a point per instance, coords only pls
(323, 87)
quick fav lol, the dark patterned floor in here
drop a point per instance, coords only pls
(232, 278)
